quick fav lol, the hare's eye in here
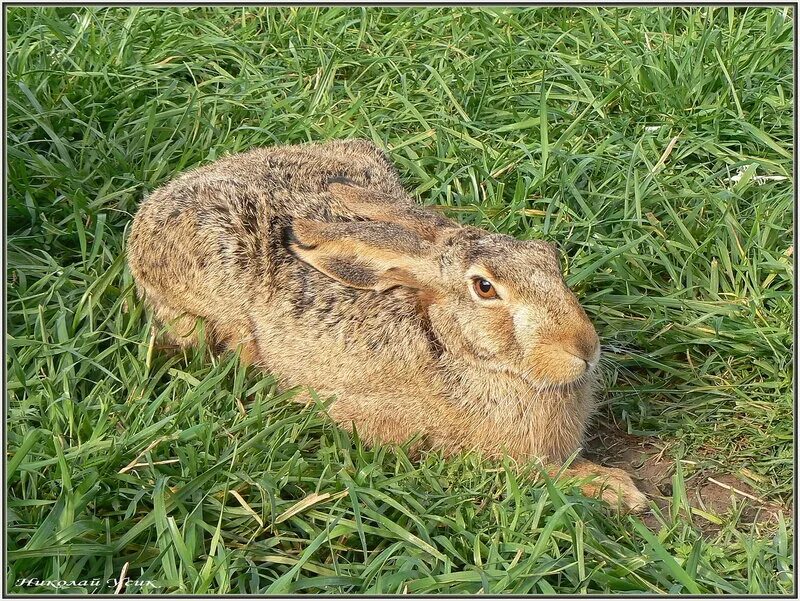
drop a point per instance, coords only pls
(484, 288)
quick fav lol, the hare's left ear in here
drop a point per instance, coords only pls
(363, 254)
(378, 206)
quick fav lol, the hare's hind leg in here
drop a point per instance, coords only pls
(183, 330)
(172, 326)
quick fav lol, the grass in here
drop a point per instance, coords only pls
(636, 138)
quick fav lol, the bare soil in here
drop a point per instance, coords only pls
(647, 459)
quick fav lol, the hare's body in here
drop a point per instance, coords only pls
(400, 356)
(209, 242)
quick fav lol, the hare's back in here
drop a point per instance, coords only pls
(206, 240)
(296, 178)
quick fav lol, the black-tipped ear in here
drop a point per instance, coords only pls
(350, 272)
(365, 255)
(289, 241)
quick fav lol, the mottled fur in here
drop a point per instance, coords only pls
(317, 262)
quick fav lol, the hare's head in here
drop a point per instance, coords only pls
(490, 298)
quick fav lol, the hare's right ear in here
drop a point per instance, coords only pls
(363, 254)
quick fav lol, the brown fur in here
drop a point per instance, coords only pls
(316, 261)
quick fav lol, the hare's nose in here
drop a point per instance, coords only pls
(584, 345)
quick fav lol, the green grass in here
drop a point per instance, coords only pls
(613, 132)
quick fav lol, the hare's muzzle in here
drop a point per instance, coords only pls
(584, 345)
(564, 355)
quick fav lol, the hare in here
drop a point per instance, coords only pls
(316, 263)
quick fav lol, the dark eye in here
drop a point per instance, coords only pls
(484, 288)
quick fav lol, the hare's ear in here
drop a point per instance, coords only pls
(378, 206)
(363, 254)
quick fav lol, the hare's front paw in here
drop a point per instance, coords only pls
(616, 488)
(613, 485)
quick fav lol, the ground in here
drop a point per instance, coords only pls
(652, 144)
(711, 492)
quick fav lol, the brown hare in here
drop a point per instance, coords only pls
(316, 262)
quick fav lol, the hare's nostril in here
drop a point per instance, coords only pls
(587, 346)
(578, 355)
(571, 351)
(587, 349)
